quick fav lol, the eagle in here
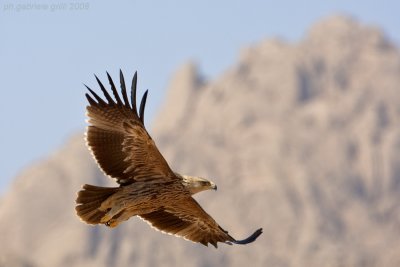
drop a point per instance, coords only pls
(148, 187)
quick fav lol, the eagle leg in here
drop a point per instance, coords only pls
(111, 213)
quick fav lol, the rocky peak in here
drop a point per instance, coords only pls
(184, 86)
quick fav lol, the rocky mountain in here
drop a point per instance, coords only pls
(302, 139)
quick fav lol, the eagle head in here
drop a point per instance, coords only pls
(197, 184)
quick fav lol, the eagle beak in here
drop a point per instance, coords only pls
(214, 186)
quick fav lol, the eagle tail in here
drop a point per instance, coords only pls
(89, 201)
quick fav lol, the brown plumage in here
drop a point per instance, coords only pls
(148, 188)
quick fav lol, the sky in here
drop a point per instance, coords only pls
(49, 49)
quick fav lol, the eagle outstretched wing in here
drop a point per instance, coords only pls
(118, 138)
(187, 219)
(124, 150)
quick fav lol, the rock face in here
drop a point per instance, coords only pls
(302, 140)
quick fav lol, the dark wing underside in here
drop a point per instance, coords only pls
(118, 139)
(186, 218)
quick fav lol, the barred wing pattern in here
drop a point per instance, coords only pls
(118, 139)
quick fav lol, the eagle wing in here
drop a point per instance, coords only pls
(118, 139)
(187, 219)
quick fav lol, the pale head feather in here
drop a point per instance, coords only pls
(196, 184)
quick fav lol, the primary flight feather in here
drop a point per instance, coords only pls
(148, 188)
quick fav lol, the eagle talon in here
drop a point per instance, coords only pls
(112, 223)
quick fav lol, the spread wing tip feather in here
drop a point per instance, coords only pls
(103, 89)
(142, 106)
(94, 98)
(123, 89)
(250, 239)
(90, 100)
(133, 92)
(114, 89)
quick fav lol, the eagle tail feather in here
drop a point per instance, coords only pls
(89, 201)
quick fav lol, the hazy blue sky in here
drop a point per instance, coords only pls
(47, 52)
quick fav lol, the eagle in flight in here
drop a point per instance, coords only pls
(148, 188)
